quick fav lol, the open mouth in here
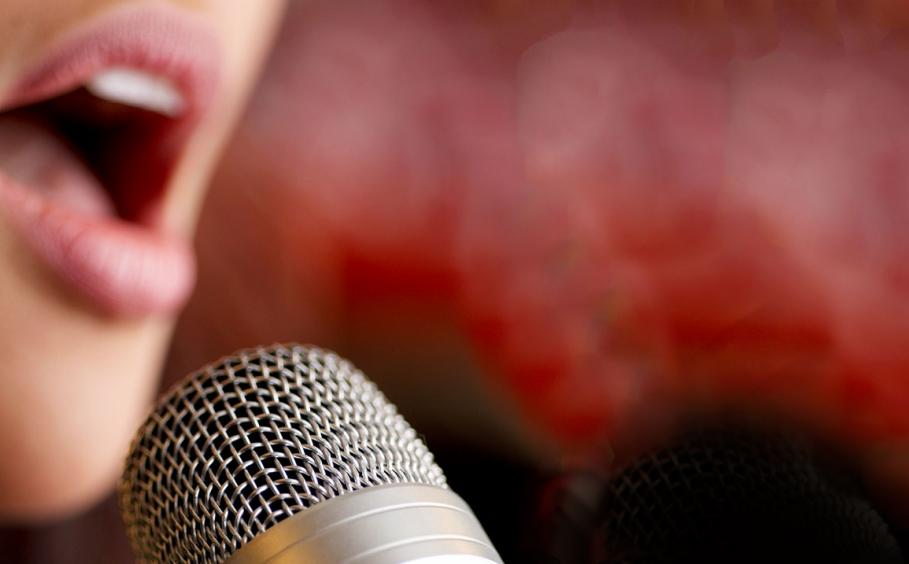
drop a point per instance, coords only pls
(88, 143)
(96, 148)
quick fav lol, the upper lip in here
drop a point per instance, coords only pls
(182, 53)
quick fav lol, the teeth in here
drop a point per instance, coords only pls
(139, 89)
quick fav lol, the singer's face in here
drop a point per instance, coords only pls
(112, 114)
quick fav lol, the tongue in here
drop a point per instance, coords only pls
(33, 155)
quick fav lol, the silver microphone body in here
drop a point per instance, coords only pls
(289, 454)
(378, 525)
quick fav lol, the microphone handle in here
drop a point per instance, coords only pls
(389, 524)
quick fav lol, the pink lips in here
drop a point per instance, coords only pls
(123, 268)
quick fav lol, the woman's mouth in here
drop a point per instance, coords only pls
(89, 138)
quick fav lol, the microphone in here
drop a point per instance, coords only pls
(720, 491)
(741, 494)
(289, 454)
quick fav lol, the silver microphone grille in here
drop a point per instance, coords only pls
(253, 439)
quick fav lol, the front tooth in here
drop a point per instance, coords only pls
(137, 88)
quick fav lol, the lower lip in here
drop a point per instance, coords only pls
(125, 270)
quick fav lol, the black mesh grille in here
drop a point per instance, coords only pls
(738, 496)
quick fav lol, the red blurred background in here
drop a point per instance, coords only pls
(590, 219)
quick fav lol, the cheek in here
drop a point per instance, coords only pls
(243, 32)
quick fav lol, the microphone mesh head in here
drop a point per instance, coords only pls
(740, 495)
(253, 439)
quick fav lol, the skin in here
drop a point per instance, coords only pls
(77, 382)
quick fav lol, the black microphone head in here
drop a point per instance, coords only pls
(254, 439)
(740, 495)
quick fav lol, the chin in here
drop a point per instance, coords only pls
(77, 386)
